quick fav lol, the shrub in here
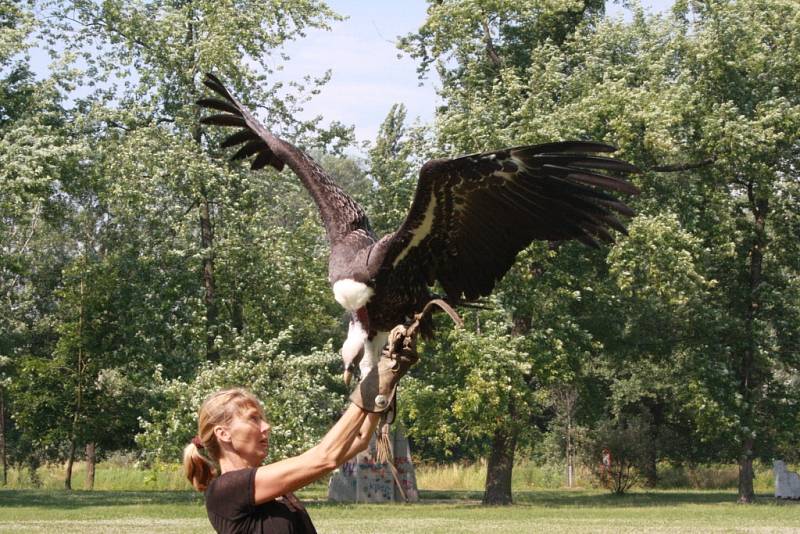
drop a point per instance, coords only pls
(300, 393)
(626, 439)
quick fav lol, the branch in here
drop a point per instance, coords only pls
(490, 50)
(100, 24)
(115, 124)
(190, 208)
(677, 167)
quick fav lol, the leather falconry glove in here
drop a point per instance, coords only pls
(376, 391)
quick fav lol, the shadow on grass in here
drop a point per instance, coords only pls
(61, 499)
(80, 499)
(582, 498)
(579, 499)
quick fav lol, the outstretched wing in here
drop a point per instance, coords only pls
(340, 213)
(472, 215)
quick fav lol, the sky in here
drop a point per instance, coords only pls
(367, 77)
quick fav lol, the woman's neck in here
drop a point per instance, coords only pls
(233, 462)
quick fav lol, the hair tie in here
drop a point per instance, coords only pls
(197, 442)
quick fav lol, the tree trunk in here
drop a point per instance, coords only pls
(570, 463)
(565, 400)
(746, 474)
(650, 468)
(749, 387)
(207, 242)
(3, 435)
(237, 310)
(70, 462)
(491, 52)
(499, 468)
(91, 459)
(206, 225)
(656, 411)
(73, 438)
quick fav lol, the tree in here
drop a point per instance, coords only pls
(750, 121)
(15, 24)
(393, 163)
(661, 297)
(617, 452)
(564, 398)
(167, 45)
(158, 250)
(471, 42)
(38, 158)
(722, 120)
(471, 394)
(483, 50)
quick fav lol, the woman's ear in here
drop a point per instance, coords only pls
(222, 434)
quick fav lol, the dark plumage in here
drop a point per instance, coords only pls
(469, 219)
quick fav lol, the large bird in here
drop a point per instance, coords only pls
(469, 219)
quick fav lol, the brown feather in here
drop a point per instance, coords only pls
(239, 137)
(224, 119)
(221, 105)
(249, 149)
(261, 161)
(591, 178)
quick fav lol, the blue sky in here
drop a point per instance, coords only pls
(367, 76)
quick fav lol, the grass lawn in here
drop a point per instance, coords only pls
(438, 513)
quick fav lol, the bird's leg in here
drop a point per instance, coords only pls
(372, 351)
(355, 346)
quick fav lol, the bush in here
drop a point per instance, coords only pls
(302, 397)
(714, 476)
(627, 439)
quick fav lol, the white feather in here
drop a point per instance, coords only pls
(372, 351)
(420, 232)
(356, 338)
(352, 295)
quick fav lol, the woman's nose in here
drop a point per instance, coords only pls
(266, 427)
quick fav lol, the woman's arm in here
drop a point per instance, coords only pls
(293, 473)
(351, 433)
(364, 436)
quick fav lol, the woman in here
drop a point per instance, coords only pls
(224, 459)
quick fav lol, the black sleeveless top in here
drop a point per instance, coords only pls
(230, 507)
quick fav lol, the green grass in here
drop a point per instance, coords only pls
(156, 500)
(439, 512)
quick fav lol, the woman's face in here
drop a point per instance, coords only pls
(250, 436)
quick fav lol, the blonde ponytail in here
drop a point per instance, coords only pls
(198, 469)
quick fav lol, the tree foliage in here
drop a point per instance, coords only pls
(684, 321)
(300, 394)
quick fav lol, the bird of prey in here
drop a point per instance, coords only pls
(469, 219)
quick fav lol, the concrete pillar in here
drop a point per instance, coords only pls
(363, 479)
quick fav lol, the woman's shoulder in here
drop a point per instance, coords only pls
(232, 489)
